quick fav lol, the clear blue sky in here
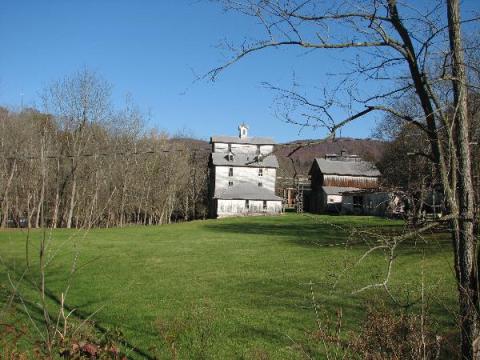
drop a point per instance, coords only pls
(152, 49)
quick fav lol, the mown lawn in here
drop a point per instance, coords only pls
(232, 288)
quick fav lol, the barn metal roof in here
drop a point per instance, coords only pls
(348, 167)
(237, 140)
(249, 160)
(245, 191)
(337, 190)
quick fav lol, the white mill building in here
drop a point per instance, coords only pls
(242, 174)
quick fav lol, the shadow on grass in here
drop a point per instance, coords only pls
(35, 312)
(311, 233)
(307, 233)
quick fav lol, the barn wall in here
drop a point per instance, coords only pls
(316, 203)
(328, 203)
(316, 178)
(347, 204)
(237, 207)
(334, 199)
(245, 174)
(373, 204)
(362, 182)
(377, 203)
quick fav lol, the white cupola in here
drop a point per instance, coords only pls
(243, 131)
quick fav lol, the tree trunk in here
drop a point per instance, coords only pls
(57, 198)
(72, 201)
(29, 213)
(186, 207)
(463, 235)
(40, 207)
(5, 205)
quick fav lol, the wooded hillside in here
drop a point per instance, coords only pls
(114, 172)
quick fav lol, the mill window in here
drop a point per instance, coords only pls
(264, 204)
(230, 172)
(230, 183)
(260, 172)
(247, 204)
(260, 184)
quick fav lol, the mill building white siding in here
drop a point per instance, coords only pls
(242, 176)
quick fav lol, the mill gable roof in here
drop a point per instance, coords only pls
(347, 168)
(246, 140)
(247, 160)
(245, 191)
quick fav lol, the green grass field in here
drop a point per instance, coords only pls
(231, 288)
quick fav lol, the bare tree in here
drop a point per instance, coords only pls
(65, 166)
(405, 51)
(77, 101)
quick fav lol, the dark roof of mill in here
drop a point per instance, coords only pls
(237, 140)
(347, 167)
(246, 191)
(249, 160)
(337, 190)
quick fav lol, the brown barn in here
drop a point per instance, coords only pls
(335, 174)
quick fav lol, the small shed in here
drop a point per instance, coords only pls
(331, 199)
(370, 202)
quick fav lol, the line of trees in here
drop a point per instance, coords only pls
(81, 163)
